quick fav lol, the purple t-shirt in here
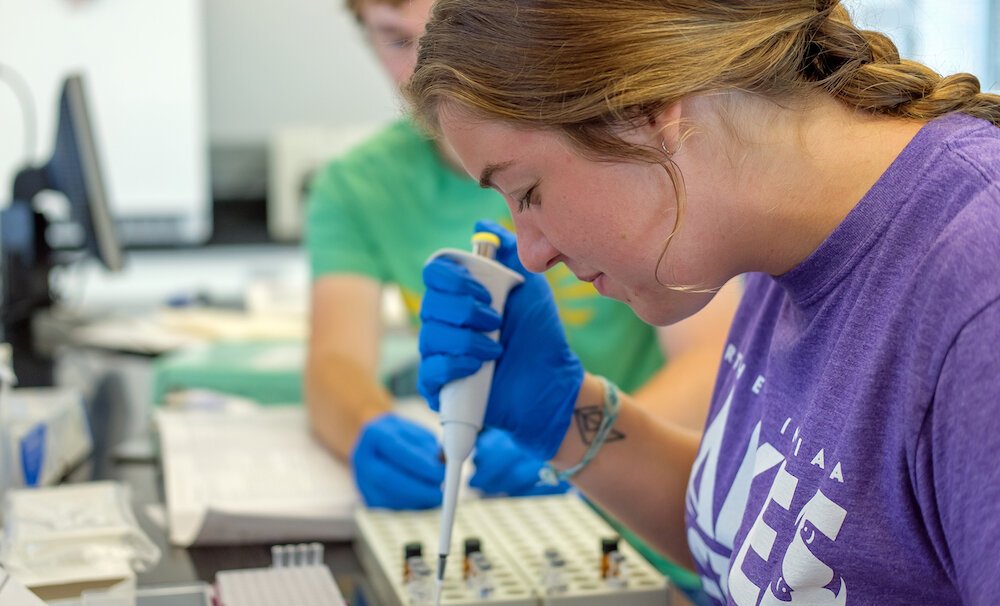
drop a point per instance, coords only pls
(852, 453)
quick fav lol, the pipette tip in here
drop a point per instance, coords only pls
(442, 560)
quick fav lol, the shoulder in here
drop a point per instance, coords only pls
(966, 157)
(975, 146)
(396, 154)
(951, 223)
(961, 263)
(957, 274)
(400, 137)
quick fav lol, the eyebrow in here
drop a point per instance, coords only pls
(391, 31)
(486, 177)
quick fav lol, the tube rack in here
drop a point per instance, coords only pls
(515, 533)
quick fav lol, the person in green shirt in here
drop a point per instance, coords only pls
(374, 216)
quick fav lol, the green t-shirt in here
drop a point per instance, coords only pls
(383, 208)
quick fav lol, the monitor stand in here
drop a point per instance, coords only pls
(27, 260)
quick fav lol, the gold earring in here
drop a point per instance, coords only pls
(663, 146)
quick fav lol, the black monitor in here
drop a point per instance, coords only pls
(74, 170)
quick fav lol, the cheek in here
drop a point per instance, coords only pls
(396, 65)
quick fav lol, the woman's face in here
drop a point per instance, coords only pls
(607, 221)
(394, 33)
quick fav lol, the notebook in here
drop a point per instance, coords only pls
(251, 476)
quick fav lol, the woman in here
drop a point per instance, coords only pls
(660, 147)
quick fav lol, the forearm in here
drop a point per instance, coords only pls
(640, 478)
(341, 396)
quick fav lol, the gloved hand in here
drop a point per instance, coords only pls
(396, 464)
(503, 468)
(536, 379)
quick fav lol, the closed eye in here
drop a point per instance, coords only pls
(527, 200)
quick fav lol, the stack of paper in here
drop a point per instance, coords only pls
(253, 476)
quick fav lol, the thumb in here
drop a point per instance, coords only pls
(507, 254)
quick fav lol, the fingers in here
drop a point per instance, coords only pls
(447, 276)
(438, 370)
(415, 451)
(458, 310)
(385, 486)
(502, 467)
(441, 339)
(396, 465)
(508, 245)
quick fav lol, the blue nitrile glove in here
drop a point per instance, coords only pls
(537, 378)
(396, 464)
(504, 468)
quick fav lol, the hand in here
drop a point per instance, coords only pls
(504, 468)
(536, 379)
(396, 465)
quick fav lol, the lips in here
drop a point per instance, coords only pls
(598, 281)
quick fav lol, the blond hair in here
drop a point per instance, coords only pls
(587, 68)
(590, 69)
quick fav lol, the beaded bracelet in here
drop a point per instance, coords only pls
(550, 476)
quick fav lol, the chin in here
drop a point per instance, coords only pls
(654, 319)
(663, 312)
(652, 315)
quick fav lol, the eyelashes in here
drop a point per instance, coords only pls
(527, 200)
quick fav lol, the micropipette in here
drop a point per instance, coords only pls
(463, 402)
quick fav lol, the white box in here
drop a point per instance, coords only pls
(44, 433)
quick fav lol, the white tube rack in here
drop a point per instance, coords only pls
(515, 534)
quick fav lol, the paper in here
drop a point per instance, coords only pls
(254, 476)
(60, 539)
(13, 593)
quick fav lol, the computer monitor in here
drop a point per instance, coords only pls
(74, 170)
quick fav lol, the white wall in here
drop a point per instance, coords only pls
(170, 79)
(948, 35)
(285, 63)
(144, 77)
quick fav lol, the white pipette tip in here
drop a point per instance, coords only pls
(442, 561)
(438, 590)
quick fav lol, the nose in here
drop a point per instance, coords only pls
(410, 61)
(535, 251)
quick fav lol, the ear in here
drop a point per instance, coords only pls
(665, 127)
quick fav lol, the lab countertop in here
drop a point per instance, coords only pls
(184, 565)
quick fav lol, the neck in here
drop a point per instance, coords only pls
(798, 176)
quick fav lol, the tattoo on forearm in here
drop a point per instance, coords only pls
(588, 421)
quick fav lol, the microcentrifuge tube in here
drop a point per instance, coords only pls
(554, 573)
(420, 586)
(302, 554)
(472, 546)
(285, 555)
(481, 575)
(411, 553)
(608, 545)
(617, 575)
(315, 554)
